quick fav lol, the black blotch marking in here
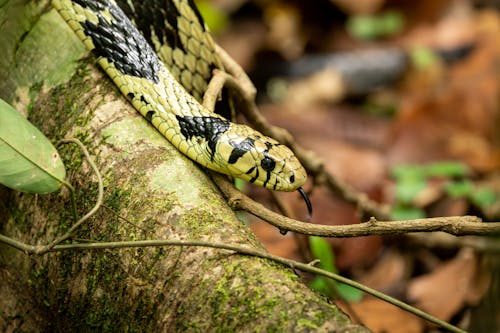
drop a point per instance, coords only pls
(239, 149)
(170, 33)
(131, 96)
(254, 178)
(93, 5)
(269, 145)
(208, 128)
(149, 115)
(250, 170)
(161, 16)
(143, 99)
(268, 177)
(267, 163)
(292, 179)
(120, 42)
(197, 13)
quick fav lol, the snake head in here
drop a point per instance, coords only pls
(261, 160)
(239, 151)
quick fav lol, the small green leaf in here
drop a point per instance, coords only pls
(374, 26)
(333, 288)
(28, 161)
(457, 189)
(215, 18)
(349, 293)
(408, 189)
(422, 57)
(322, 250)
(407, 213)
(239, 184)
(362, 27)
(320, 284)
(408, 171)
(483, 197)
(392, 22)
(446, 169)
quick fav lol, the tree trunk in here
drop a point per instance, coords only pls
(151, 192)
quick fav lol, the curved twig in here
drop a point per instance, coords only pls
(455, 225)
(98, 203)
(241, 250)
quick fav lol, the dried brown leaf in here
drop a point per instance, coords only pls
(444, 292)
(380, 316)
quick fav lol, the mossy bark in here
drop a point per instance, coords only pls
(151, 192)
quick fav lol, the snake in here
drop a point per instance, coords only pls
(161, 56)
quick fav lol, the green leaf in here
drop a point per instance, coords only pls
(215, 18)
(407, 213)
(423, 57)
(362, 27)
(28, 161)
(333, 288)
(408, 171)
(457, 189)
(320, 284)
(392, 23)
(321, 250)
(239, 184)
(483, 197)
(407, 190)
(374, 26)
(446, 169)
(349, 293)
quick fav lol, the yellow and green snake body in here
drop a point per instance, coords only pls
(169, 98)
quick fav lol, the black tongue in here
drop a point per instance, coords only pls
(306, 199)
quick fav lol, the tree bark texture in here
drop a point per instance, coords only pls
(151, 192)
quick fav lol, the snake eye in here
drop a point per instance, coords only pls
(267, 164)
(292, 179)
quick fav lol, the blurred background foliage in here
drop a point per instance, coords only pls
(400, 100)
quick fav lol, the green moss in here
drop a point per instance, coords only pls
(28, 37)
(117, 198)
(98, 308)
(245, 296)
(220, 297)
(70, 103)
(23, 222)
(304, 322)
(41, 46)
(17, 18)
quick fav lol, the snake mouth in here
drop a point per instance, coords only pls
(306, 199)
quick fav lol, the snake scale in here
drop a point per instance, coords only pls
(163, 70)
